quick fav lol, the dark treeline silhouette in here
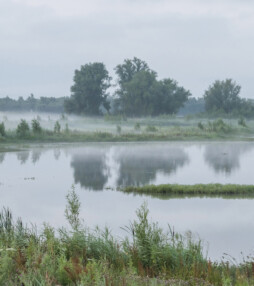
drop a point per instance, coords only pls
(43, 104)
(137, 92)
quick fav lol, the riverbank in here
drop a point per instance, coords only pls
(77, 136)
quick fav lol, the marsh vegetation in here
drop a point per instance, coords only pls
(80, 256)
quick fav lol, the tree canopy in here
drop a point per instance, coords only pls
(223, 95)
(89, 91)
(140, 93)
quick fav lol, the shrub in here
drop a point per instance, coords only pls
(242, 122)
(200, 126)
(2, 129)
(151, 128)
(137, 126)
(23, 129)
(67, 130)
(118, 129)
(57, 127)
(36, 127)
(219, 126)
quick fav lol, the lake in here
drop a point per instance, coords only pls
(35, 181)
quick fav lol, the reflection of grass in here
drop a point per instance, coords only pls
(79, 256)
(189, 190)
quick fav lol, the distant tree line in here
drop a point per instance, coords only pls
(136, 92)
(43, 104)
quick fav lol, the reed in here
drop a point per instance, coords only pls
(80, 256)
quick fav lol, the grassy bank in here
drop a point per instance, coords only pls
(79, 256)
(75, 136)
(117, 130)
(190, 190)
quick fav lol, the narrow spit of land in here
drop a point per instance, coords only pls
(229, 190)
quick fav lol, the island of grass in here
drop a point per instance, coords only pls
(193, 190)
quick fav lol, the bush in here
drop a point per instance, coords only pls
(67, 130)
(242, 122)
(118, 129)
(200, 126)
(151, 128)
(137, 126)
(219, 126)
(57, 127)
(23, 129)
(36, 127)
(2, 129)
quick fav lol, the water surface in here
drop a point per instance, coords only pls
(34, 182)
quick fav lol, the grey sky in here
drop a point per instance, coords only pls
(193, 41)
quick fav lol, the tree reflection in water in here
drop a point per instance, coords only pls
(225, 158)
(137, 165)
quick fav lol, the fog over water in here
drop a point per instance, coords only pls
(35, 181)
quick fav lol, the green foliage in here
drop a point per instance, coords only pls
(223, 96)
(72, 210)
(148, 256)
(137, 126)
(118, 129)
(201, 126)
(36, 126)
(57, 127)
(242, 122)
(140, 93)
(67, 130)
(199, 189)
(43, 104)
(151, 128)
(89, 91)
(2, 129)
(23, 129)
(219, 126)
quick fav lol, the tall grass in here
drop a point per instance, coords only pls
(79, 256)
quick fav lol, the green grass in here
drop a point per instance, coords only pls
(79, 256)
(175, 134)
(190, 190)
(162, 128)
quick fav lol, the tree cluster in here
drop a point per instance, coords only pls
(138, 92)
(222, 97)
(43, 104)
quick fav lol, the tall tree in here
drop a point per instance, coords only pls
(135, 80)
(223, 96)
(89, 91)
(168, 97)
(140, 93)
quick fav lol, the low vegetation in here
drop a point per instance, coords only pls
(78, 256)
(163, 128)
(199, 189)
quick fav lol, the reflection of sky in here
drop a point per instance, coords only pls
(226, 224)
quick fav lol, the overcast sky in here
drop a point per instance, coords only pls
(192, 41)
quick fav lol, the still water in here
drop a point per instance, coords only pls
(35, 181)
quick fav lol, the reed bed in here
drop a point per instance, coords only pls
(79, 256)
